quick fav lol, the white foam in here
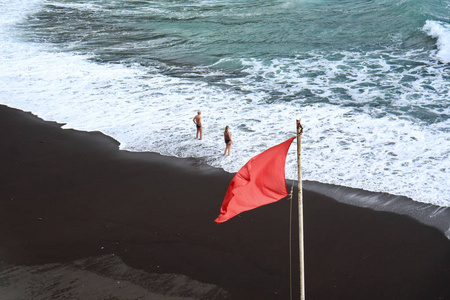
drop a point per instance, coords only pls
(14, 11)
(440, 31)
(146, 111)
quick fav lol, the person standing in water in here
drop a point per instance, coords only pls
(198, 122)
(228, 141)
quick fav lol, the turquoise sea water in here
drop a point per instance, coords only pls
(369, 79)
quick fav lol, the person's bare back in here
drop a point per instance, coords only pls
(198, 122)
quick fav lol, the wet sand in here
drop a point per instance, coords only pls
(81, 219)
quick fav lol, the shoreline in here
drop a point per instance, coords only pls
(425, 213)
(70, 195)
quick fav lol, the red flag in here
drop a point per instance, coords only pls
(261, 181)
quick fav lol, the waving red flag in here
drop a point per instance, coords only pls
(261, 181)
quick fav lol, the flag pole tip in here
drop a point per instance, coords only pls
(299, 127)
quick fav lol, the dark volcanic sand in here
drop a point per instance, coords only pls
(80, 219)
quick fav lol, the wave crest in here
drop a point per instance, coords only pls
(441, 32)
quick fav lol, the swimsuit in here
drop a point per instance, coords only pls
(198, 126)
(227, 138)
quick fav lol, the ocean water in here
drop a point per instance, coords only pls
(370, 81)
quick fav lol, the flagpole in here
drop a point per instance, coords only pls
(300, 211)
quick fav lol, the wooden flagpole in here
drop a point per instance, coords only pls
(300, 211)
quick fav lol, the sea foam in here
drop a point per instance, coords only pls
(440, 31)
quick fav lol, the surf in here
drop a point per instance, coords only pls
(375, 107)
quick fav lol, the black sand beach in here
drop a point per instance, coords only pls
(80, 219)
